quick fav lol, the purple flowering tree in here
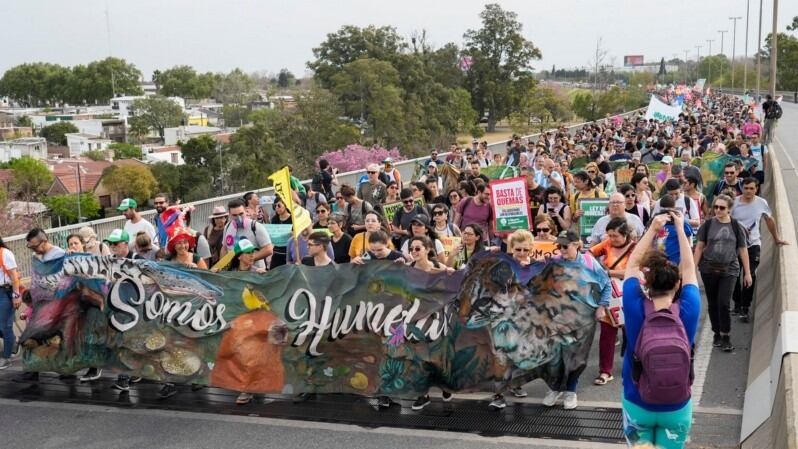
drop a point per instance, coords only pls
(356, 157)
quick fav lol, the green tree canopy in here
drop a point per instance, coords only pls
(95, 155)
(126, 151)
(235, 87)
(130, 181)
(502, 59)
(66, 206)
(31, 177)
(56, 133)
(157, 112)
(184, 81)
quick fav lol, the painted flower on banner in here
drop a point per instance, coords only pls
(391, 374)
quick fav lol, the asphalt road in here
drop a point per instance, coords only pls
(719, 392)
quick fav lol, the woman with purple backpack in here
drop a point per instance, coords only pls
(662, 306)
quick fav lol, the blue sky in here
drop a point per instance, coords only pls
(268, 35)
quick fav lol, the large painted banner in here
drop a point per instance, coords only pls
(381, 328)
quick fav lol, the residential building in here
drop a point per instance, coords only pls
(183, 133)
(79, 143)
(166, 153)
(15, 132)
(34, 147)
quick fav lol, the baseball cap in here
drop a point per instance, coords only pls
(243, 246)
(118, 235)
(127, 203)
(566, 237)
(421, 218)
(667, 160)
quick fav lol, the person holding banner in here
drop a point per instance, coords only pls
(359, 245)
(583, 184)
(419, 226)
(613, 252)
(340, 241)
(240, 227)
(281, 216)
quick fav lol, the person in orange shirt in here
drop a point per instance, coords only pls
(613, 251)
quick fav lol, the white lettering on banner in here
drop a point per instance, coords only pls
(205, 318)
(366, 316)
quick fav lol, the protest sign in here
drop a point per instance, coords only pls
(543, 251)
(624, 175)
(500, 171)
(510, 202)
(389, 210)
(593, 209)
(660, 111)
(449, 244)
(279, 233)
(380, 328)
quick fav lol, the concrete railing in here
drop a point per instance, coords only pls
(770, 415)
(203, 208)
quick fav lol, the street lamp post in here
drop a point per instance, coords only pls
(722, 35)
(697, 62)
(759, 55)
(745, 61)
(774, 48)
(80, 191)
(686, 65)
(709, 62)
(734, 45)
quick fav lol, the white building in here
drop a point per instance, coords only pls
(124, 105)
(79, 143)
(33, 147)
(183, 133)
(167, 153)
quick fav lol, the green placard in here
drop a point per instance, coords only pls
(279, 233)
(593, 209)
(390, 209)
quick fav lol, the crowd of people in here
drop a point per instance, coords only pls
(659, 231)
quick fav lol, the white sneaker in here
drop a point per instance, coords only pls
(551, 398)
(569, 400)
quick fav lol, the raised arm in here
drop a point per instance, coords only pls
(686, 261)
(644, 245)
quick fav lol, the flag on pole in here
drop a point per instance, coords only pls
(300, 217)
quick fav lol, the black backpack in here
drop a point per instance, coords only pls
(774, 111)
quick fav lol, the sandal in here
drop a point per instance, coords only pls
(243, 398)
(603, 379)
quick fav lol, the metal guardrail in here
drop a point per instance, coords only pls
(203, 208)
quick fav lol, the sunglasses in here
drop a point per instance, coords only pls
(339, 197)
(630, 195)
(521, 250)
(321, 211)
(716, 207)
(408, 201)
(564, 246)
(372, 172)
(591, 172)
(729, 173)
(416, 249)
(543, 230)
(439, 212)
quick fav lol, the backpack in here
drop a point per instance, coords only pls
(663, 358)
(774, 111)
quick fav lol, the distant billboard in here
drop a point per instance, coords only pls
(632, 60)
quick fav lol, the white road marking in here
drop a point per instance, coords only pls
(784, 150)
(701, 361)
(525, 442)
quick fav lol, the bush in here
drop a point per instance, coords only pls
(477, 131)
(356, 157)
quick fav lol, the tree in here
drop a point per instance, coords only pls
(183, 81)
(351, 43)
(56, 133)
(543, 106)
(786, 61)
(285, 79)
(24, 121)
(130, 181)
(236, 87)
(257, 155)
(183, 182)
(367, 89)
(235, 115)
(156, 112)
(35, 84)
(66, 206)
(501, 59)
(31, 177)
(126, 151)
(96, 155)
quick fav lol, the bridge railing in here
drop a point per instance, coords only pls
(203, 208)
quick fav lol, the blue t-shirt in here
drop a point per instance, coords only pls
(667, 241)
(689, 312)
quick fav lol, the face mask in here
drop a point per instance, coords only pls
(240, 221)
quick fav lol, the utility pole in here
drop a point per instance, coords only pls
(709, 78)
(698, 62)
(734, 46)
(722, 35)
(774, 48)
(759, 55)
(745, 61)
(686, 66)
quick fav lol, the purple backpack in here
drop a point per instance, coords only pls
(663, 357)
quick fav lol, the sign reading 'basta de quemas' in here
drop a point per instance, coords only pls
(381, 328)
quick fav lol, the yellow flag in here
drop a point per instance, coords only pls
(282, 187)
(301, 220)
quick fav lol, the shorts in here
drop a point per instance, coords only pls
(666, 430)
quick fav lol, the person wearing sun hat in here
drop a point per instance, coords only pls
(135, 222)
(214, 233)
(181, 247)
(244, 259)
